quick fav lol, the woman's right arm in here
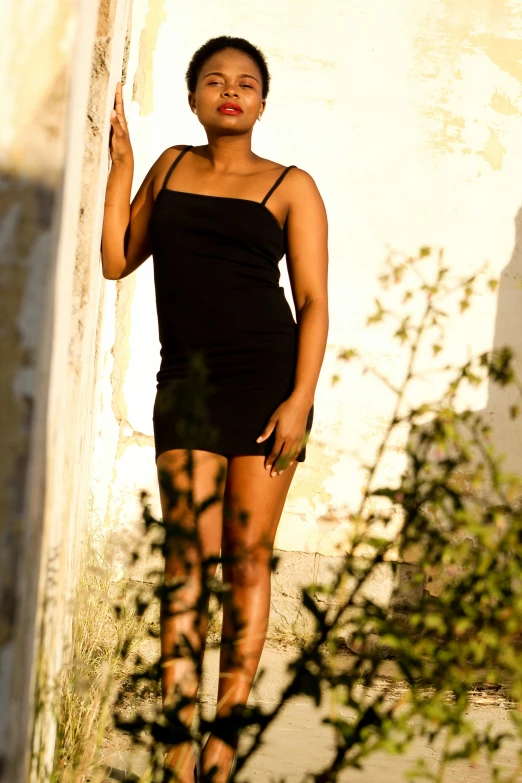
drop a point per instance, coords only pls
(125, 240)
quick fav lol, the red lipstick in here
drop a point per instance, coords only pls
(230, 108)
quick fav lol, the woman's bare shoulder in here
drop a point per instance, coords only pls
(294, 179)
(295, 172)
(170, 154)
(265, 165)
(302, 192)
(161, 165)
(299, 183)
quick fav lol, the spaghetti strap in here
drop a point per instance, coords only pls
(277, 183)
(173, 165)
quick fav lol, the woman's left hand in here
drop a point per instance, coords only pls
(289, 422)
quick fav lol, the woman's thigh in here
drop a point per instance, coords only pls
(253, 504)
(205, 479)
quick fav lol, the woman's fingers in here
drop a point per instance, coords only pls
(118, 126)
(282, 456)
(119, 143)
(276, 448)
(268, 430)
(118, 102)
(119, 112)
(286, 456)
(274, 454)
(286, 446)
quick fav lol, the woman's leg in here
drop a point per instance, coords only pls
(252, 508)
(183, 559)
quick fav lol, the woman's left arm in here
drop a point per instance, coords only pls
(307, 260)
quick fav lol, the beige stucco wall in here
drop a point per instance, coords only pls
(408, 117)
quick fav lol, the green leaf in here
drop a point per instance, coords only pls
(347, 353)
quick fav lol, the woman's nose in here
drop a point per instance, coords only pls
(229, 91)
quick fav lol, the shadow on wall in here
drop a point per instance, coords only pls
(507, 432)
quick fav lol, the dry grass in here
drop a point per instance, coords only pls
(97, 668)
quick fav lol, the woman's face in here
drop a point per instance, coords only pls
(228, 77)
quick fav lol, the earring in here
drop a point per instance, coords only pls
(258, 116)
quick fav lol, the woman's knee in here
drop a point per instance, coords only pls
(250, 568)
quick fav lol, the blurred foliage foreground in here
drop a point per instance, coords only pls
(454, 512)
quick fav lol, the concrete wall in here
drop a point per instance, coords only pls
(41, 142)
(53, 168)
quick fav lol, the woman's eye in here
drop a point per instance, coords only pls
(247, 85)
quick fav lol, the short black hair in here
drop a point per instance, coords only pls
(214, 45)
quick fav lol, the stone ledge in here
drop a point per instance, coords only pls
(295, 570)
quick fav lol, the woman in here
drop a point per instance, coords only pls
(217, 219)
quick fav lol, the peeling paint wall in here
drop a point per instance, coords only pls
(408, 117)
(144, 76)
(472, 54)
(119, 439)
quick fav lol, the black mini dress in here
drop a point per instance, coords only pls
(228, 337)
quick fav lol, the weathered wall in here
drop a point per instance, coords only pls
(115, 504)
(53, 138)
(408, 117)
(40, 156)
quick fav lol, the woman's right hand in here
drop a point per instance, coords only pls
(119, 142)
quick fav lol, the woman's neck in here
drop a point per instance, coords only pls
(228, 153)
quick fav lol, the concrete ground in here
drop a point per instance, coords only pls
(297, 744)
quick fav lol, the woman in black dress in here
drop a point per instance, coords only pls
(217, 219)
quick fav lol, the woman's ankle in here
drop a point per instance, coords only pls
(181, 758)
(217, 758)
